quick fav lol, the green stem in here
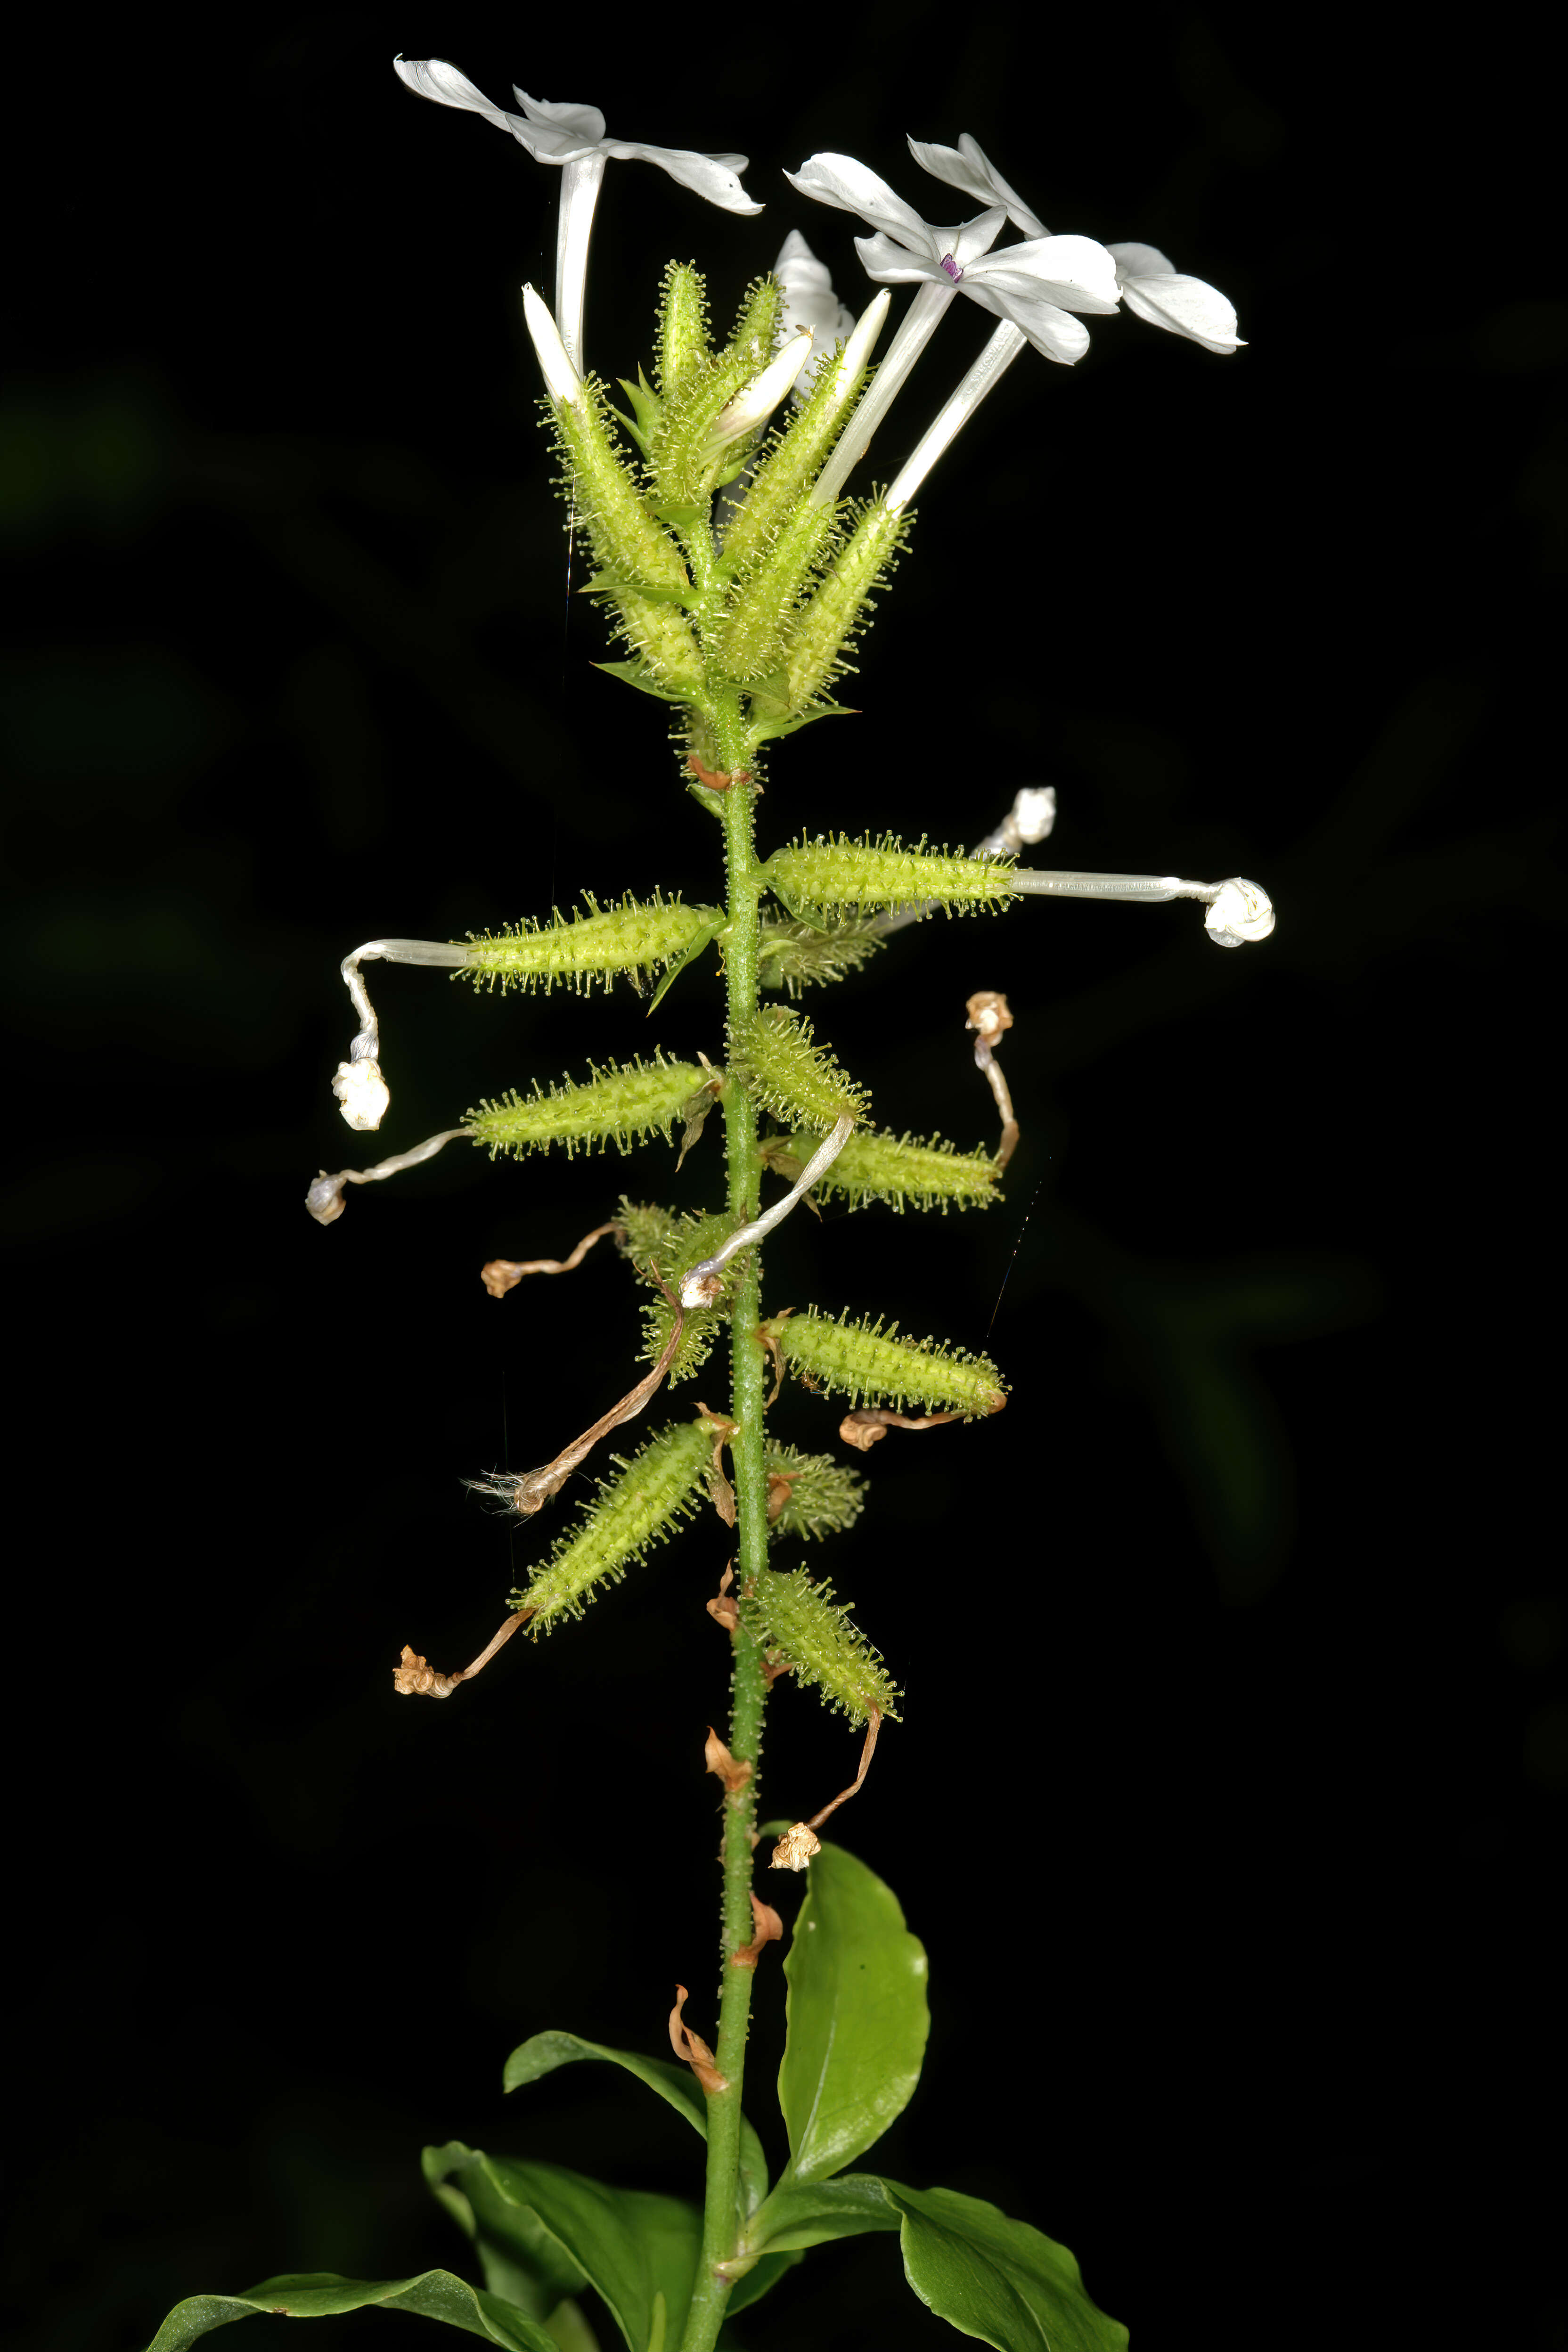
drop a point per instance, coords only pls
(720, 2220)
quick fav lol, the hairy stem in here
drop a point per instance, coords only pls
(720, 2221)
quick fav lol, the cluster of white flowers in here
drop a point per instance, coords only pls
(1038, 291)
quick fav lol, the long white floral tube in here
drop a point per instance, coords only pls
(1006, 341)
(700, 1287)
(1237, 912)
(363, 1096)
(579, 184)
(915, 330)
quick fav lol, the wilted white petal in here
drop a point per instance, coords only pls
(561, 381)
(839, 179)
(1035, 811)
(434, 78)
(810, 299)
(705, 175)
(1240, 914)
(362, 1094)
(1181, 305)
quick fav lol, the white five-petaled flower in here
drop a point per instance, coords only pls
(1151, 286)
(1033, 288)
(573, 137)
(1035, 284)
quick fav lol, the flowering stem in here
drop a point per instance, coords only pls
(721, 2227)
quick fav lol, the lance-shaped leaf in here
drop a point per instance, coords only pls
(829, 874)
(857, 2018)
(995, 2278)
(323, 2295)
(621, 1104)
(637, 2250)
(677, 2086)
(869, 1362)
(637, 937)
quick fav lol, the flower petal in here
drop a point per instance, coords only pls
(584, 125)
(705, 175)
(839, 179)
(1182, 306)
(809, 297)
(968, 167)
(434, 78)
(1072, 271)
(890, 264)
(1050, 329)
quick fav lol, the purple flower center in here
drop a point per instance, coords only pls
(952, 267)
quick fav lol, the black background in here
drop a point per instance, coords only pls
(1229, 1795)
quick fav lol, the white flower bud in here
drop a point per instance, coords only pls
(1035, 811)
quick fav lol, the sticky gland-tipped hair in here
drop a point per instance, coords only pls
(622, 1105)
(778, 1061)
(801, 1623)
(904, 1172)
(868, 1363)
(832, 875)
(637, 937)
(657, 1489)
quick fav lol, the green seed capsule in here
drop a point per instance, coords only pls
(658, 1487)
(801, 1622)
(682, 325)
(620, 1105)
(827, 627)
(634, 938)
(627, 541)
(859, 874)
(867, 1363)
(903, 1172)
(773, 1055)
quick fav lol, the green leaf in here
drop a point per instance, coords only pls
(685, 690)
(638, 2250)
(858, 2017)
(610, 584)
(677, 2085)
(323, 2295)
(701, 940)
(772, 728)
(523, 2262)
(995, 2278)
(812, 2214)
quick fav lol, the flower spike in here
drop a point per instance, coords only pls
(573, 137)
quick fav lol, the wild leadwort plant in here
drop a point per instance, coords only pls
(738, 579)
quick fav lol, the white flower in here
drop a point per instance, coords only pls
(554, 132)
(573, 137)
(1035, 284)
(1185, 305)
(810, 299)
(1149, 285)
